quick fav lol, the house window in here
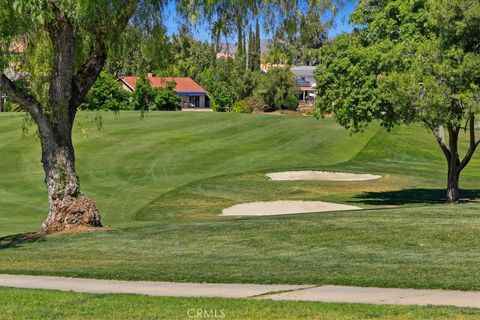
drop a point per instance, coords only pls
(194, 102)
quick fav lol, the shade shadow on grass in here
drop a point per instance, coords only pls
(412, 196)
(19, 239)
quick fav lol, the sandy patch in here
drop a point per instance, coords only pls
(271, 208)
(321, 175)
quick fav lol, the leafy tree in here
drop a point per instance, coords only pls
(241, 82)
(140, 50)
(300, 39)
(256, 49)
(143, 97)
(218, 90)
(409, 61)
(74, 37)
(106, 94)
(165, 98)
(277, 88)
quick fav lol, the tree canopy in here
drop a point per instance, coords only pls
(408, 61)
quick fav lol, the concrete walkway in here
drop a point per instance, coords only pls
(271, 292)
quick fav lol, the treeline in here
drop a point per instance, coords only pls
(233, 84)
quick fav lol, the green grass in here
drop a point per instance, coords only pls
(427, 247)
(160, 183)
(132, 162)
(36, 304)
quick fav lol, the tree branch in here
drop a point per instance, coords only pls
(88, 73)
(439, 134)
(26, 101)
(473, 142)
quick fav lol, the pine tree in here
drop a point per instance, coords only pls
(250, 50)
(257, 47)
(239, 37)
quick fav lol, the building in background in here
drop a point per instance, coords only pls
(192, 95)
(305, 77)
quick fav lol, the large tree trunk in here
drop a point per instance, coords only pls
(68, 207)
(453, 184)
(454, 166)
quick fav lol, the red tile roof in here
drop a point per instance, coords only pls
(183, 84)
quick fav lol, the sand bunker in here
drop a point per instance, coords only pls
(283, 207)
(321, 175)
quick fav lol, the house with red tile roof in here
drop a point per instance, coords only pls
(192, 95)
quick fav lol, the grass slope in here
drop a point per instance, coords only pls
(162, 180)
(36, 304)
(132, 162)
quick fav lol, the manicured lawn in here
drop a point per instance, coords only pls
(420, 247)
(181, 167)
(132, 162)
(160, 183)
(36, 304)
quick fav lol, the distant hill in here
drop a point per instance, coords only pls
(230, 49)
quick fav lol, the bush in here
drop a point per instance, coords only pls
(218, 91)
(11, 107)
(277, 89)
(106, 94)
(165, 98)
(291, 103)
(242, 107)
(249, 105)
(143, 96)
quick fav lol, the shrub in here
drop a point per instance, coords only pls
(291, 103)
(277, 89)
(165, 98)
(106, 94)
(12, 107)
(242, 107)
(143, 96)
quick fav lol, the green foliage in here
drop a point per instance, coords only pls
(143, 96)
(147, 98)
(277, 89)
(249, 104)
(94, 22)
(410, 61)
(107, 94)
(165, 98)
(291, 103)
(254, 52)
(218, 90)
(298, 42)
(242, 107)
(11, 107)
(139, 51)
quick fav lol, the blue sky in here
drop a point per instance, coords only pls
(172, 22)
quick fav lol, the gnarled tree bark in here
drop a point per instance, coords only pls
(68, 207)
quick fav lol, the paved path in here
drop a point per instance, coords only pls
(270, 292)
(151, 288)
(383, 296)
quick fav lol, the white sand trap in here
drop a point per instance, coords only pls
(283, 207)
(321, 175)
